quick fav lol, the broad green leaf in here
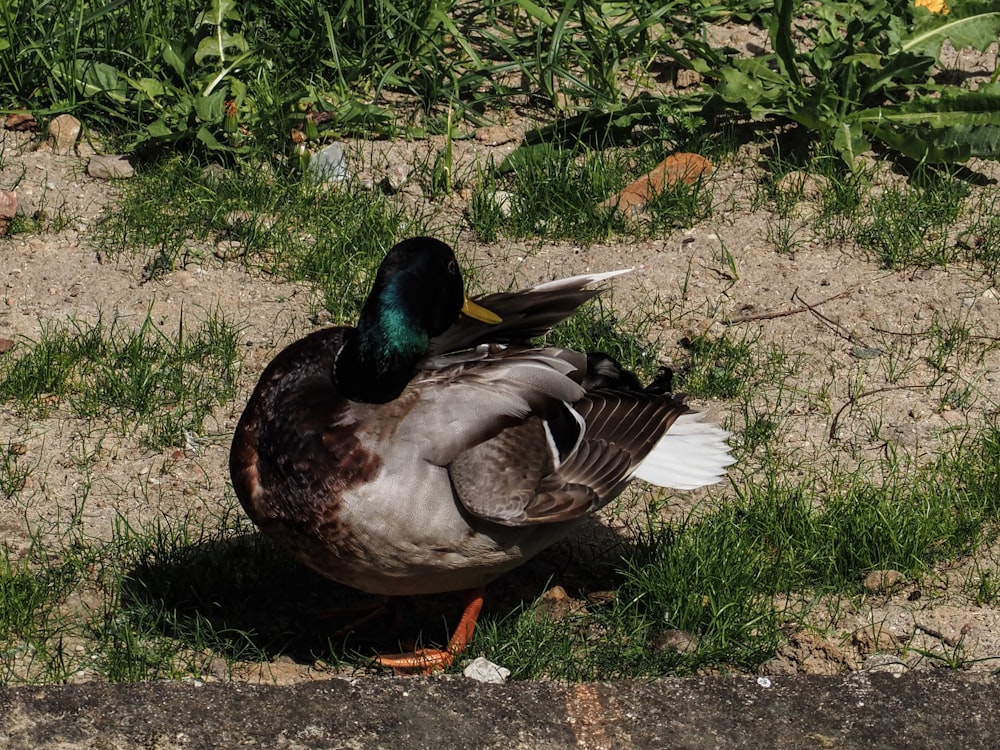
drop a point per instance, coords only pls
(952, 109)
(930, 30)
(173, 58)
(221, 10)
(206, 137)
(217, 46)
(850, 141)
(781, 39)
(151, 87)
(94, 78)
(868, 59)
(158, 129)
(211, 108)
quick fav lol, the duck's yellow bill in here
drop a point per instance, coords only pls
(480, 313)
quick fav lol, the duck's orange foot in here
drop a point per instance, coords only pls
(421, 661)
(430, 660)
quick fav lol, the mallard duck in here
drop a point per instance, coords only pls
(432, 447)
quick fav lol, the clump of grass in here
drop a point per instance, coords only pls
(34, 627)
(979, 243)
(278, 223)
(909, 224)
(13, 474)
(555, 193)
(596, 328)
(729, 367)
(143, 379)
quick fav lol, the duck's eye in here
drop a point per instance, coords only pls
(452, 267)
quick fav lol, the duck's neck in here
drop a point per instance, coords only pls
(380, 355)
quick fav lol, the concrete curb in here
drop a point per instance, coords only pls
(933, 709)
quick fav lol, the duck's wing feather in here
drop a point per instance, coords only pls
(526, 314)
(523, 441)
(563, 465)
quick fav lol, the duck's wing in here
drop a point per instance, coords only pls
(525, 443)
(525, 314)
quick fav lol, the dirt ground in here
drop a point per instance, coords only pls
(706, 279)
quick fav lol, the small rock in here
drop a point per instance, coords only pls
(328, 164)
(396, 177)
(865, 352)
(241, 217)
(556, 604)
(6, 345)
(502, 200)
(687, 78)
(873, 638)
(8, 209)
(482, 669)
(109, 167)
(63, 132)
(213, 174)
(226, 249)
(602, 597)
(494, 135)
(21, 121)
(881, 581)
(675, 640)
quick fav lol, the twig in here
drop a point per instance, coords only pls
(933, 633)
(832, 325)
(865, 394)
(784, 313)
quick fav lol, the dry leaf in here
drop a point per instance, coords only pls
(680, 167)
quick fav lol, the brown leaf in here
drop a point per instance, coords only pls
(679, 167)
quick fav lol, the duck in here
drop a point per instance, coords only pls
(435, 445)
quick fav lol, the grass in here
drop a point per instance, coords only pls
(277, 223)
(551, 194)
(140, 379)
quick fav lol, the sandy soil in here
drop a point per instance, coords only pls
(711, 277)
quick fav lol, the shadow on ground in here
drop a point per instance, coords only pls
(251, 601)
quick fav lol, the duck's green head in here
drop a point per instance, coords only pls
(417, 294)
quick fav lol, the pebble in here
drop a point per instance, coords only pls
(502, 201)
(396, 177)
(495, 135)
(8, 208)
(880, 581)
(63, 132)
(109, 167)
(482, 669)
(329, 164)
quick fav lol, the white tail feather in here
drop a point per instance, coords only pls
(691, 454)
(578, 282)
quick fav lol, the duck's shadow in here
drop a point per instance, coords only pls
(251, 600)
